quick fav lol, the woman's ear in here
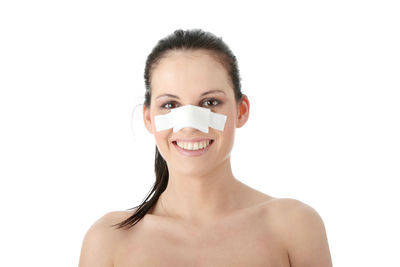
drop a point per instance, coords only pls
(243, 111)
(147, 119)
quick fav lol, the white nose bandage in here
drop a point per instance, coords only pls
(190, 116)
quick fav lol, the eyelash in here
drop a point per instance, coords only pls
(210, 99)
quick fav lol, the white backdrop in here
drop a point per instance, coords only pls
(323, 82)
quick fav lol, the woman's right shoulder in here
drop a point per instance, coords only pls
(102, 239)
(114, 217)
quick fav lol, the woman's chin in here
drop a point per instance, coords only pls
(189, 169)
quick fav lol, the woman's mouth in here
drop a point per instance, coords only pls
(193, 148)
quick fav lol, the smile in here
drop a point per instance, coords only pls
(194, 145)
(193, 148)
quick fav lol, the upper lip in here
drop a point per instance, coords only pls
(199, 139)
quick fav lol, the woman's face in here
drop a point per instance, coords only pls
(195, 78)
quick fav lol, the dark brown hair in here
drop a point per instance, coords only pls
(195, 39)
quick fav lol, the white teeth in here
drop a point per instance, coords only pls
(190, 146)
(193, 145)
(202, 145)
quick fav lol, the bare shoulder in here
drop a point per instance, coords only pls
(101, 240)
(289, 213)
(302, 231)
(285, 206)
(114, 217)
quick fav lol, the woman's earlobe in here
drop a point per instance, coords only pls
(147, 119)
(243, 112)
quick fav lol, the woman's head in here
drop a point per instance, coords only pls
(191, 40)
(197, 69)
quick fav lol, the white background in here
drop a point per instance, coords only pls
(323, 82)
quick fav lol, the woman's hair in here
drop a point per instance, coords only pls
(189, 40)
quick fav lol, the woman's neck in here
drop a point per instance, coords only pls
(200, 199)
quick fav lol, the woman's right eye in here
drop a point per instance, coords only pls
(168, 105)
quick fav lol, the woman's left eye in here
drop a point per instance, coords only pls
(211, 102)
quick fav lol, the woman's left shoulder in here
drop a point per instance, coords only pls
(291, 213)
(291, 206)
(302, 230)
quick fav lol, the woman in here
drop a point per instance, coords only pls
(200, 214)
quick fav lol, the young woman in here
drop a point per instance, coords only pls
(200, 214)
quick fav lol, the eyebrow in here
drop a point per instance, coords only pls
(203, 94)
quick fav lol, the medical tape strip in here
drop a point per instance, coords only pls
(190, 116)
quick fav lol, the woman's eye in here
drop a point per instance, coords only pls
(208, 103)
(168, 105)
(211, 102)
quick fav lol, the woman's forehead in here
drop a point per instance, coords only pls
(185, 70)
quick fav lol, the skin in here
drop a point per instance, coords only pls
(203, 188)
(206, 217)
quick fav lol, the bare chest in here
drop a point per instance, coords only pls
(233, 243)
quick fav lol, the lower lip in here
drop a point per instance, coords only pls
(193, 153)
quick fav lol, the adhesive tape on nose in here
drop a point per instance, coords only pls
(190, 116)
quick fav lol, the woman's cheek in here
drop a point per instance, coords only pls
(229, 131)
(161, 139)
